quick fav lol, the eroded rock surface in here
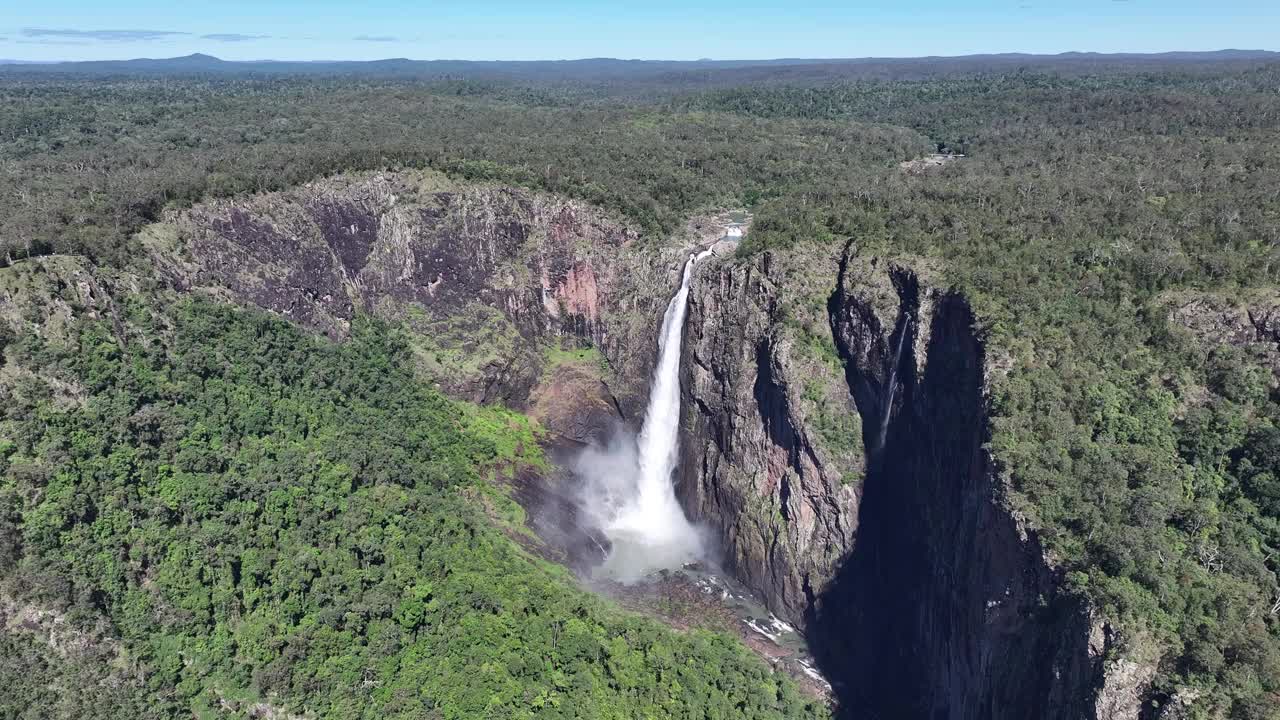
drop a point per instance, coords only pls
(484, 276)
(947, 606)
(1250, 324)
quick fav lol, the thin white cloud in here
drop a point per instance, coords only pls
(100, 35)
(53, 42)
(233, 37)
(376, 38)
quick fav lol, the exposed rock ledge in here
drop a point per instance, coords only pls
(1250, 324)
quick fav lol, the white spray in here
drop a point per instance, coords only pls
(648, 528)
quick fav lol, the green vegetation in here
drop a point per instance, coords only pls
(514, 437)
(825, 397)
(264, 517)
(462, 345)
(91, 161)
(559, 355)
(1148, 460)
(840, 428)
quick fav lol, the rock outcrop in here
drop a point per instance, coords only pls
(1251, 323)
(947, 606)
(45, 297)
(574, 404)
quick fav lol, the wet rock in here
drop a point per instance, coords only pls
(553, 512)
(574, 405)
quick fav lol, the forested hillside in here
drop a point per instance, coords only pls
(88, 163)
(265, 517)
(1116, 231)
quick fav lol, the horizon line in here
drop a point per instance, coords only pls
(990, 54)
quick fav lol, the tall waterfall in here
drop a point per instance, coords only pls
(649, 530)
(892, 386)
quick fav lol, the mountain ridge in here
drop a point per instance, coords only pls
(594, 67)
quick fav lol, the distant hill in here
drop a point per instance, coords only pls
(613, 68)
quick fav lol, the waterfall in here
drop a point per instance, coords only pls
(649, 530)
(892, 386)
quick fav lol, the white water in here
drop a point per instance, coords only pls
(648, 528)
(893, 386)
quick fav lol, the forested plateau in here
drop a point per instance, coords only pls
(284, 357)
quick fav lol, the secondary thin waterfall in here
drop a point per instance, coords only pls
(649, 531)
(893, 385)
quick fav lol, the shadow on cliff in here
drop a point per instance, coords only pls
(943, 610)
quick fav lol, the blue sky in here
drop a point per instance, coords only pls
(653, 29)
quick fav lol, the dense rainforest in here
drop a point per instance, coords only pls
(263, 514)
(253, 515)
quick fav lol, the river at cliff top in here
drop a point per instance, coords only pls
(699, 596)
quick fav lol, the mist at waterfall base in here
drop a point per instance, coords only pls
(627, 483)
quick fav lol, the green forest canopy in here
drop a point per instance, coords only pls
(1085, 200)
(265, 516)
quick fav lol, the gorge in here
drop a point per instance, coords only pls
(922, 593)
(821, 415)
(816, 422)
(831, 418)
(934, 599)
(401, 396)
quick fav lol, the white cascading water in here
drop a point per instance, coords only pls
(649, 530)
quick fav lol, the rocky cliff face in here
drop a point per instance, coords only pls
(485, 277)
(834, 412)
(947, 606)
(772, 456)
(541, 303)
(924, 595)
